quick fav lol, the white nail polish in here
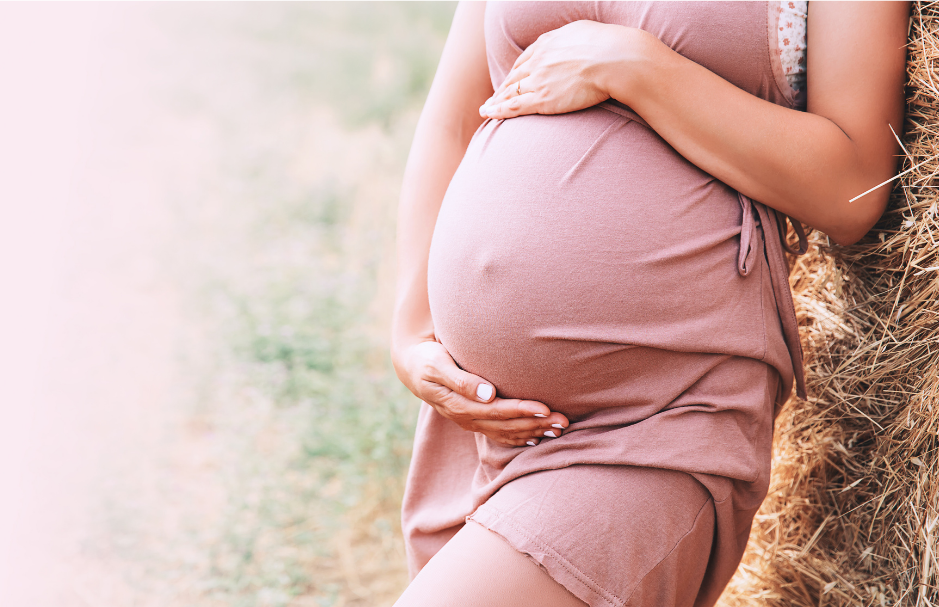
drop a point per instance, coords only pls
(530, 443)
(540, 415)
(484, 391)
(558, 426)
(551, 434)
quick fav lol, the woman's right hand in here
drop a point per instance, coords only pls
(428, 370)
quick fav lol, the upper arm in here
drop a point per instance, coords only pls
(462, 82)
(856, 69)
(446, 126)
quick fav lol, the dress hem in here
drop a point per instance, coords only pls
(560, 569)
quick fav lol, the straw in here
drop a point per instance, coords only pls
(852, 516)
(894, 178)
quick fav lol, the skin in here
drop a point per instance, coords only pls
(805, 164)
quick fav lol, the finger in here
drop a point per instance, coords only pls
(558, 419)
(453, 406)
(442, 370)
(525, 56)
(512, 442)
(512, 105)
(526, 103)
(504, 436)
(467, 413)
(523, 427)
(516, 83)
(508, 88)
(556, 431)
(510, 409)
(521, 442)
(530, 427)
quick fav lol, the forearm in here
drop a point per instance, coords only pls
(434, 158)
(800, 163)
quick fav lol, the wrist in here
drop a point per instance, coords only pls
(638, 57)
(402, 340)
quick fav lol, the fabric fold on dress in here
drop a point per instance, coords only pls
(779, 268)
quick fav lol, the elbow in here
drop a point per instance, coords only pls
(857, 219)
(846, 239)
(853, 190)
(848, 234)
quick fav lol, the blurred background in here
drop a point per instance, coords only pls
(197, 406)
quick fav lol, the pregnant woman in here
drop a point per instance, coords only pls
(593, 300)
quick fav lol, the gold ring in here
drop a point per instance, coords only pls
(518, 88)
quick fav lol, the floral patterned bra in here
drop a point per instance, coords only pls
(792, 43)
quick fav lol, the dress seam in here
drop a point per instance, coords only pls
(762, 290)
(675, 547)
(563, 562)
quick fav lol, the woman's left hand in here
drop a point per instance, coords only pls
(564, 70)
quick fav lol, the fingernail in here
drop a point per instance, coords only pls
(558, 426)
(551, 434)
(530, 443)
(540, 415)
(484, 391)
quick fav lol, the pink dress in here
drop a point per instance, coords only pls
(581, 261)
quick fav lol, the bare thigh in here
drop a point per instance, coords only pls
(477, 568)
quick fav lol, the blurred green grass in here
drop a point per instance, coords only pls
(371, 60)
(313, 105)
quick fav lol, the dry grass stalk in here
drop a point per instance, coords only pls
(852, 514)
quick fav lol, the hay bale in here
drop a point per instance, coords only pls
(851, 518)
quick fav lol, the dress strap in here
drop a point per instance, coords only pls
(781, 219)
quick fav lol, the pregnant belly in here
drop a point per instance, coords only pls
(580, 261)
